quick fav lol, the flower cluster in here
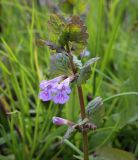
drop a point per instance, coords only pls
(56, 89)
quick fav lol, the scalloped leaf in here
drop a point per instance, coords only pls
(95, 111)
(71, 32)
(75, 31)
(85, 72)
(84, 75)
(59, 65)
(56, 24)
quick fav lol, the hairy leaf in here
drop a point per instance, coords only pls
(95, 111)
(71, 31)
(84, 75)
(59, 65)
(75, 31)
(85, 72)
(56, 24)
(91, 61)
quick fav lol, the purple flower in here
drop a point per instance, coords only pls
(45, 95)
(63, 89)
(54, 81)
(59, 121)
(48, 88)
(56, 90)
(64, 86)
(60, 97)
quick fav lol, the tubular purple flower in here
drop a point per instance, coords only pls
(61, 97)
(45, 95)
(47, 88)
(64, 86)
(46, 83)
(56, 90)
(63, 89)
(59, 121)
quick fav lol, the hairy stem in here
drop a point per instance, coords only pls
(82, 108)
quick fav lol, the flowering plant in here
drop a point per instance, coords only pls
(66, 68)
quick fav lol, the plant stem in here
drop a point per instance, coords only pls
(83, 115)
(82, 108)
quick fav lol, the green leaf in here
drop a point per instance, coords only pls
(84, 75)
(74, 31)
(86, 72)
(56, 24)
(71, 31)
(115, 154)
(59, 65)
(95, 111)
(91, 61)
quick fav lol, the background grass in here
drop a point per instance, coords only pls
(28, 133)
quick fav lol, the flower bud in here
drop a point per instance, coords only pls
(59, 121)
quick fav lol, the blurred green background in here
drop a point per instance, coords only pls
(27, 132)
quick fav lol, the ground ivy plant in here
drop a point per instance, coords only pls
(67, 42)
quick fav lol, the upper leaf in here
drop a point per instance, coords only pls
(56, 24)
(71, 31)
(74, 31)
(63, 34)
